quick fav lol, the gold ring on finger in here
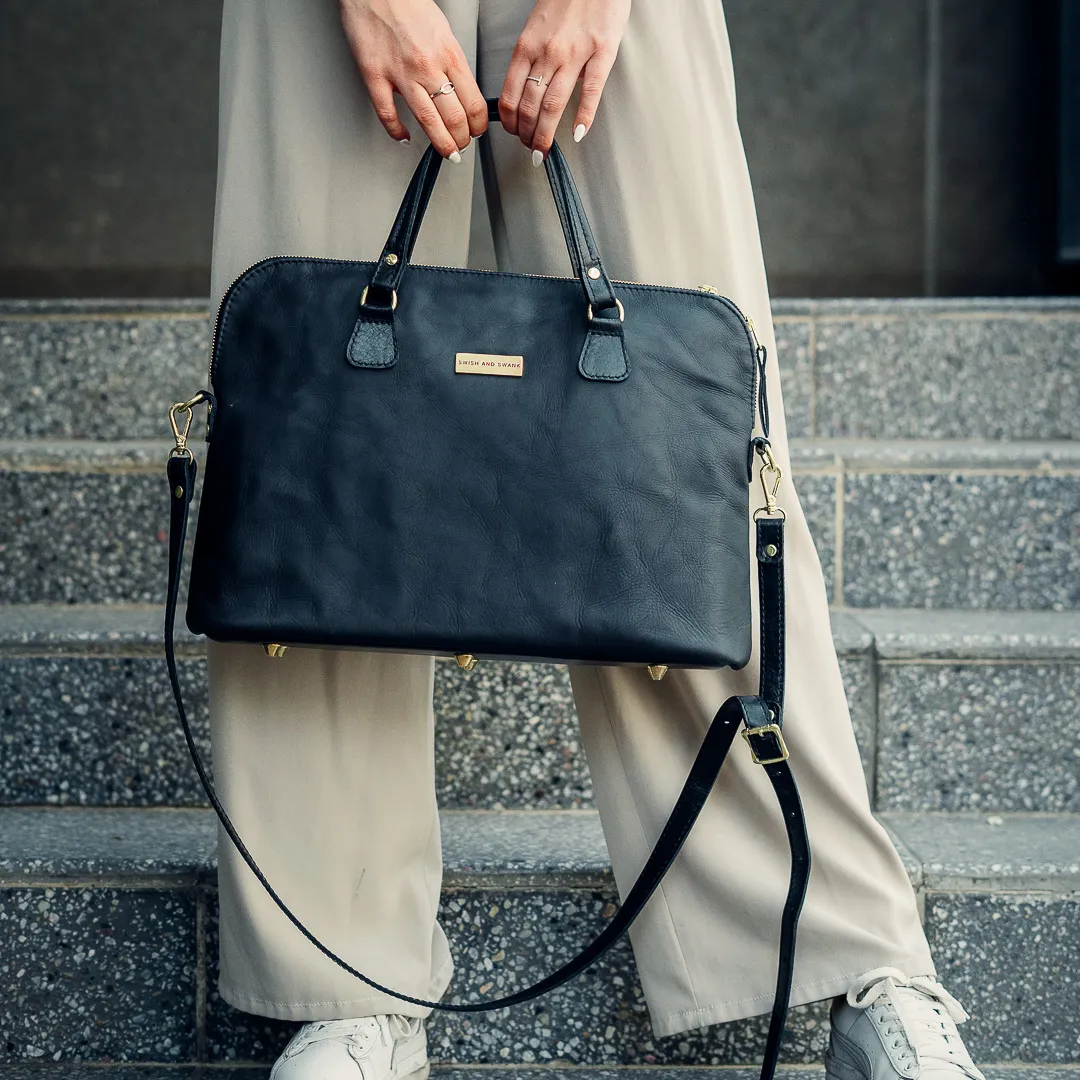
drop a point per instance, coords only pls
(534, 78)
(446, 88)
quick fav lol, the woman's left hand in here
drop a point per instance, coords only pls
(563, 41)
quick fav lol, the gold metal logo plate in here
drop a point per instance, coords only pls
(478, 363)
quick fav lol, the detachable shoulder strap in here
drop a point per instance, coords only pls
(760, 714)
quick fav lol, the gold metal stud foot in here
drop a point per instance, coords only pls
(466, 661)
(275, 650)
(657, 671)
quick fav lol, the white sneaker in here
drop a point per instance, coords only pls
(389, 1047)
(891, 1027)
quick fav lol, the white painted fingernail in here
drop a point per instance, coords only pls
(537, 157)
(455, 157)
(579, 133)
(405, 141)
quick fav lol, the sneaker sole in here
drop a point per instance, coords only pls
(835, 1069)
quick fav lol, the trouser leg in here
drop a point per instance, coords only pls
(323, 758)
(665, 184)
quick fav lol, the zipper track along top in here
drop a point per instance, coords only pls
(708, 289)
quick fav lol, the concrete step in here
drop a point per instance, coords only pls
(917, 523)
(109, 922)
(939, 369)
(991, 368)
(945, 704)
(247, 1071)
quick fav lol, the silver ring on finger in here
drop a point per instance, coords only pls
(446, 88)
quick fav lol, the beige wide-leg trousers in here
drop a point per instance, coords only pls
(325, 759)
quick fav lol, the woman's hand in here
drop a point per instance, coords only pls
(563, 41)
(408, 46)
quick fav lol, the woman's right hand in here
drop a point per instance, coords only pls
(408, 46)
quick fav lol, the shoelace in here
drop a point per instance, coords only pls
(361, 1033)
(920, 1012)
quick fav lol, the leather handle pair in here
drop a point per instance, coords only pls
(580, 242)
(373, 343)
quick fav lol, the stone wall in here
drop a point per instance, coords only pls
(898, 147)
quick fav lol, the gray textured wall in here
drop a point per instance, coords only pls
(898, 147)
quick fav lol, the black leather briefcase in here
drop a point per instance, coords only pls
(489, 465)
(466, 463)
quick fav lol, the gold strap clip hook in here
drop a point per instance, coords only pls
(768, 465)
(180, 417)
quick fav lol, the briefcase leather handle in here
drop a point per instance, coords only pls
(603, 358)
(373, 343)
(600, 299)
(575, 223)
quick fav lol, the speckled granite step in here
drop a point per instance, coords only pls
(942, 369)
(943, 704)
(964, 700)
(109, 916)
(921, 523)
(76, 1071)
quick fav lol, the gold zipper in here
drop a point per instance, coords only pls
(745, 318)
(753, 337)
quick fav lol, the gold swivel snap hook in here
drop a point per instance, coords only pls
(769, 487)
(180, 417)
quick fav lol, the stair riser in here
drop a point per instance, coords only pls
(150, 985)
(97, 731)
(992, 736)
(986, 539)
(912, 371)
(102, 731)
(248, 1071)
(1012, 959)
(103, 377)
(599, 1019)
(962, 369)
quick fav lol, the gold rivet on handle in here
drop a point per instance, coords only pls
(391, 259)
(466, 661)
(771, 550)
(594, 272)
(178, 491)
(657, 671)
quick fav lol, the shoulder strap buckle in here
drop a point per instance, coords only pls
(777, 752)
